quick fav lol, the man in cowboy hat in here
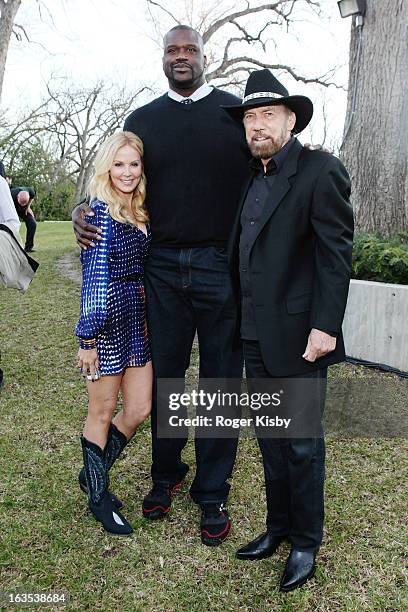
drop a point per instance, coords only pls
(290, 255)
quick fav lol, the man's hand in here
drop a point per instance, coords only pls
(89, 363)
(316, 147)
(85, 233)
(318, 344)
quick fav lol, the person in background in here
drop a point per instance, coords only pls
(114, 348)
(16, 267)
(23, 198)
(8, 213)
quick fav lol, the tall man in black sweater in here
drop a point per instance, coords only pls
(196, 162)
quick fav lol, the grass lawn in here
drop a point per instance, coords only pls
(50, 542)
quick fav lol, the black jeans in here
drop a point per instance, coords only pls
(294, 470)
(31, 226)
(189, 291)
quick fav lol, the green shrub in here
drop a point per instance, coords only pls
(55, 204)
(32, 165)
(376, 258)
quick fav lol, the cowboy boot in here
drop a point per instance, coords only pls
(100, 500)
(115, 444)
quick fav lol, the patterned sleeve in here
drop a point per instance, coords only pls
(95, 278)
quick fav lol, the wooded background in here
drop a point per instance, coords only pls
(52, 146)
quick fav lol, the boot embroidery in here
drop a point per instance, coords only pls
(97, 476)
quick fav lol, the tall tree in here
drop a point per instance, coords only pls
(375, 147)
(70, 124)
(235, 35)
(8, 12)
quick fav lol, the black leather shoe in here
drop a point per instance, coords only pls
(157, 502)
(215, 524)
(300, 567)
(262, 547)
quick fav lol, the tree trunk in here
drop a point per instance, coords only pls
(8, 11)
(375, 149)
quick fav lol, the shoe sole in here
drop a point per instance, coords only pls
(114, 533)
(155, 517)
(258, 557)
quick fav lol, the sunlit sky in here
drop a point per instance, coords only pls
(87, 40)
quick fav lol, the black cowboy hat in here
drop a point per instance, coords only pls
(263, 89)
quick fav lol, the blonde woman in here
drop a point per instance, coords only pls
(114, 348)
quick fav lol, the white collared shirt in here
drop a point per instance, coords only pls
(8, 213)
(198, 94)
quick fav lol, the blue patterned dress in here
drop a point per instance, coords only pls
(113, 307)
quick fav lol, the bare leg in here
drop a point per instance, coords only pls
(136, 386)
(103, 397)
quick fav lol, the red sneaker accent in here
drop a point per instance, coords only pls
(176, 487)
(157, 503)
(162, 508)
(225, 532)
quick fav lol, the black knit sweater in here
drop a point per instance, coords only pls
(196, 161)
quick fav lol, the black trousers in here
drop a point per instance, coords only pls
(294, 469)
(189, 291)
(31, 226)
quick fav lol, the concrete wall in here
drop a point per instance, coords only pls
(376, 323)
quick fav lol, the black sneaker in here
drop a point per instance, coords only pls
(157, 502)
(215, 524)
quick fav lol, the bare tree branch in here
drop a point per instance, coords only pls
(161, 7)
(71, 124)
(234, 16)
(230, 66)
(234, 67)
(18, 30)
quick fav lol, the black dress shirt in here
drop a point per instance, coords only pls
(258, 192)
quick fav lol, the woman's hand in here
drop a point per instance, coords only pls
(88, 362)
(85, 233)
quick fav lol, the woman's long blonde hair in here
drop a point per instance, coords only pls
(100, 186)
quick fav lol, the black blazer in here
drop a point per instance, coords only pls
(300, 262)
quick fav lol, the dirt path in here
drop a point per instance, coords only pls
(68, 266)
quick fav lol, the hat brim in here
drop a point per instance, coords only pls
(300, 105)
